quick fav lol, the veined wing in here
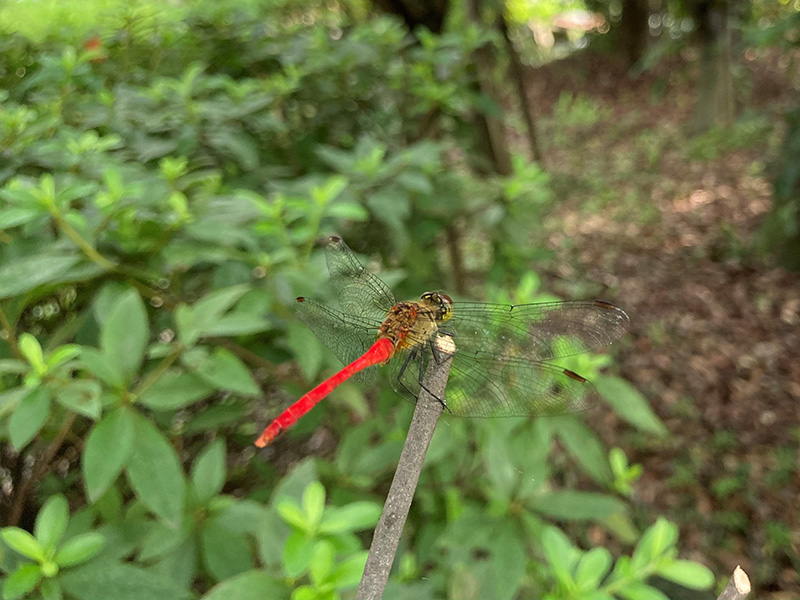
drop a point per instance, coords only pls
(539, 332)
(347, 336)
(360, 292)
(499, 387)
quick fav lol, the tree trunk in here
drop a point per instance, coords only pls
(495, 146)
(715, 96)
(518, 73)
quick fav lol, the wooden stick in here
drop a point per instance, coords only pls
(398, 502)
(738, 586)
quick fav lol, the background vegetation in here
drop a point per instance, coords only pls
(165, 172)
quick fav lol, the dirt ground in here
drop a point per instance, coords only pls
(668, 222)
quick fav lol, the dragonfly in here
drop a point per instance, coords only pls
(501, 365)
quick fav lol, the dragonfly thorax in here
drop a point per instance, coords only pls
(410, 324)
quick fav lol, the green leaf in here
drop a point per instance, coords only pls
(236, 324)
(124, 334)
(180, 563)
(243, 516)
(28, 272)
(155, 473)
(18, 215)
(294, 484)
(29, 417)
(163, 539)
(560, 553)
(637, 590)
(356, 516)
(630, 404)
(107, 451)
(390, 206)
(352, 211)
(63, 354)
(32, 351)
(208, 471)
(507, 545)
(306, 347)
(175, 389)
(224, 371)
(659, 537)
(583, 445)
(321, 562)
(124, 581)
(297, 554)
(225, 553)
(21, 581)
(235, 144)
(314, 503)
(576, 506)
(191, 321)
(502, 472)
(82, 396)
(292, 514)
(51, 590)
(253, 585)
(51, 522)
(348, 573)
(688, 574)
(80, 549)
(101, 366)
(592, 567)
(22, 542)
(216, 416)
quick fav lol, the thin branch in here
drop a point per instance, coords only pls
(456, 261)
(11, 332)
(518, 73)
(93, 255)
(156, 373)
(39, 471)
(738, 586)
(395, 511)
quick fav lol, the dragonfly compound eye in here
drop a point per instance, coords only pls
(445, 305)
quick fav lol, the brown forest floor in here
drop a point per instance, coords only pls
(669, 220)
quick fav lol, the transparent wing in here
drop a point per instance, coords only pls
(347, 336)
(360, 292)
(538, 332)
(498, 387)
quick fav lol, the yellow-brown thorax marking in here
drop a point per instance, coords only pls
(410, 324)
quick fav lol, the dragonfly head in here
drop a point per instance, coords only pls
(439, 302)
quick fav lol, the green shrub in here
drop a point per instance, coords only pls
(161, 199)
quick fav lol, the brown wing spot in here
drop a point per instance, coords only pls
(335, 239)
(575, 376)
(300, 299)
(604, 304)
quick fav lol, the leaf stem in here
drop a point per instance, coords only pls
(10, 330)
(156, 373)
(97, 258)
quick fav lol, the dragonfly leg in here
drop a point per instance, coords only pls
(436, 357)
(402, 370)
(439, 400)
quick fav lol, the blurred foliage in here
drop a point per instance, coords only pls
(164, 175)
(780, 233)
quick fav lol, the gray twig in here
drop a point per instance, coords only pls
(738, 586)
(393, 518)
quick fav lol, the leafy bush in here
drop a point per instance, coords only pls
(159, 216)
